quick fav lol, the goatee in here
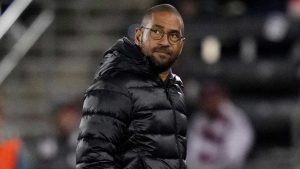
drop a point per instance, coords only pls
(161, 67)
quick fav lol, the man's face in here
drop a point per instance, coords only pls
(161, 52)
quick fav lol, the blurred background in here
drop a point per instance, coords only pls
(49, 51)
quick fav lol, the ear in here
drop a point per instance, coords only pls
(138, 36)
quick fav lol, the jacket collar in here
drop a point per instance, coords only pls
(124, 55)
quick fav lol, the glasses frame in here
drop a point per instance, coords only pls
(170, 41)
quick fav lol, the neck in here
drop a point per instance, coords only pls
(164, 75)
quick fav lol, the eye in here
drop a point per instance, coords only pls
(175, 36)
(157, 31)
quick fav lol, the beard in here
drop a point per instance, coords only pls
(161, 63)
(160, 67)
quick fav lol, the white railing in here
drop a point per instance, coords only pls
(27, 40)
(11, 14)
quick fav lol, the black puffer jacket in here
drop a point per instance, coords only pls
(131, 119)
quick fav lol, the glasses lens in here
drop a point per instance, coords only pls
(174, 37)
(156, 33)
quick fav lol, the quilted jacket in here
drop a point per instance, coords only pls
(131, 118)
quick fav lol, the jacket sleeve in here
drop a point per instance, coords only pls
(103, 127)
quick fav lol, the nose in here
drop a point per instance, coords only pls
(164, 41)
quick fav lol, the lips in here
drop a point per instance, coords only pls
(163, 52)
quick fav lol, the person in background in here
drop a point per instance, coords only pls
(13, 154)
(220, 136)
(58, 151)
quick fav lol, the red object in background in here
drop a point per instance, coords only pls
(9, 151)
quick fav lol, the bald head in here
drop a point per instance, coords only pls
(160, 37)
(161, 8)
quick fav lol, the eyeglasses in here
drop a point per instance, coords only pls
(158, 34)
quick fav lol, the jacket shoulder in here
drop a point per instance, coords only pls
(107, 98)
(114, 84)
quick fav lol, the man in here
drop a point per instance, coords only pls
(134, 112)
(220, 137)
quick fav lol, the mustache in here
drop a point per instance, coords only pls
(162, 49)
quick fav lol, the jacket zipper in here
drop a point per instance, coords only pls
(175, 122)
(143, 162)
